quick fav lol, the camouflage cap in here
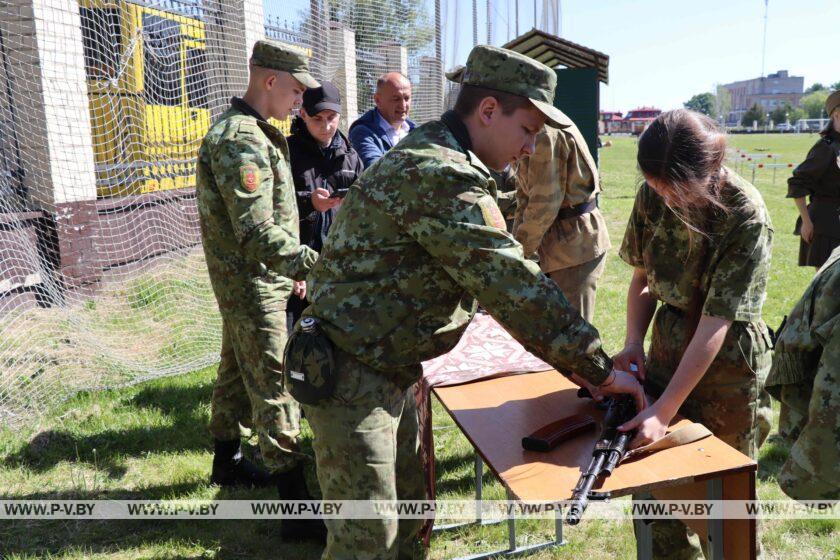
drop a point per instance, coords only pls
(277, 56)
(833, 102)
(511, 72)
(455, 74)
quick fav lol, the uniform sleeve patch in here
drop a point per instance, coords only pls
(492, 215)
(249, 175)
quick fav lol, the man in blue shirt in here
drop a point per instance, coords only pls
(381, 128)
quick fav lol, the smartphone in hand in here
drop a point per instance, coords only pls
(339, 193)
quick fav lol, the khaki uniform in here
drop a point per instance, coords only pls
(806, 377)
(730, 398)
(557, 179)
(249, 229)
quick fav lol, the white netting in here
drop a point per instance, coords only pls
(103, 104)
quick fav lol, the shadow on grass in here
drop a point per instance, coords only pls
(219, 539)
(463, 484)
(183, 428)
(772, 456)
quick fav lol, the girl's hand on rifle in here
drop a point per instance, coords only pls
(651, 425)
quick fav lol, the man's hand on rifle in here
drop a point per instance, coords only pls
(621, 382)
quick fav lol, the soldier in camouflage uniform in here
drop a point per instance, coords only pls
(249, 229)
(557, 215)
(705, 261)
(805, 377)
(420, 238)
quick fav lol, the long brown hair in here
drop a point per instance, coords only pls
(685, 150)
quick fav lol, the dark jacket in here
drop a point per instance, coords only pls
(369, 138)
(818, 177)
(334, 167)
(819, 174)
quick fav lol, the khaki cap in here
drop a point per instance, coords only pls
(510, 72)
(277, 56)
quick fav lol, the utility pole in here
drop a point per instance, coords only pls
(438, 33)
(475, 22)
(489, 22)
(517, 18)
(764, 44)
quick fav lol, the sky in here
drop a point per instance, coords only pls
(662, 52)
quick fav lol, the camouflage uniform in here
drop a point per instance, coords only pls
(419, 239)
(804, 377)
(249, 228)
(561, 175)
(730, 398)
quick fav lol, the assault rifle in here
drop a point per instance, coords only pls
(610, 448)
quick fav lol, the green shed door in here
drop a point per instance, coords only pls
(577, 96)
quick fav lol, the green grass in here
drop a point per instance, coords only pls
(150, 441)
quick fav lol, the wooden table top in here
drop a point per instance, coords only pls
(495, 415)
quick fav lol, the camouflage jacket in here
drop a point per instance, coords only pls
(559, 174)
(419, 239)
(248, 214)
(730, 258)
(807, 356)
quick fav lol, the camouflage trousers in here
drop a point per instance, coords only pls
(578, 284)
(248, 392)
(367, 447)
(730, 400)
(812, 407)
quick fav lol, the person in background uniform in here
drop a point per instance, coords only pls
(699, 239)
(805, 378)
(324, 165)
(249, 229)
(381, 128)
(419, 242)
(555, 207)
(557, 214)
(818, 177)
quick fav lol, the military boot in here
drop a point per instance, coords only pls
(230, 468)
(291, 485)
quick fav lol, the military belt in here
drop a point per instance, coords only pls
(578, 210)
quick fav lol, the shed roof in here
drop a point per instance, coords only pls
(553, 51)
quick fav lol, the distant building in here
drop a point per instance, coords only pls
(768, 93)
(610, 121)
(637, 120)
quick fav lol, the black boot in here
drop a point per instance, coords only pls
(230, 468)
(291, 485)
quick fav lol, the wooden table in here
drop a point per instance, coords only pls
(496, 414)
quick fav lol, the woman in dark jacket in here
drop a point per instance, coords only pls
(324, 165)
(819, 178)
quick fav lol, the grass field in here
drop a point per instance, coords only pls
(149, 441)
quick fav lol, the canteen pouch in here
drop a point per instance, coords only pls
(309, 367)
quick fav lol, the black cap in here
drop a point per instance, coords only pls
(326, 97)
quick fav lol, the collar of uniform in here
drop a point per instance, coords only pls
(240, 104)
(458, 129)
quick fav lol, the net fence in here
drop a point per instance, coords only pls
(103, 104)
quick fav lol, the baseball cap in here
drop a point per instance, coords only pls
(323, 98)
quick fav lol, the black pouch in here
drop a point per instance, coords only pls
(309, 368)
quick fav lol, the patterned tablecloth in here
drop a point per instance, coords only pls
(486, 350)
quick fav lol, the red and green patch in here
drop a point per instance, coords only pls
(249, 175)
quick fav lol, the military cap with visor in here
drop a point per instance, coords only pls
(510, 72)
(276, 56)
